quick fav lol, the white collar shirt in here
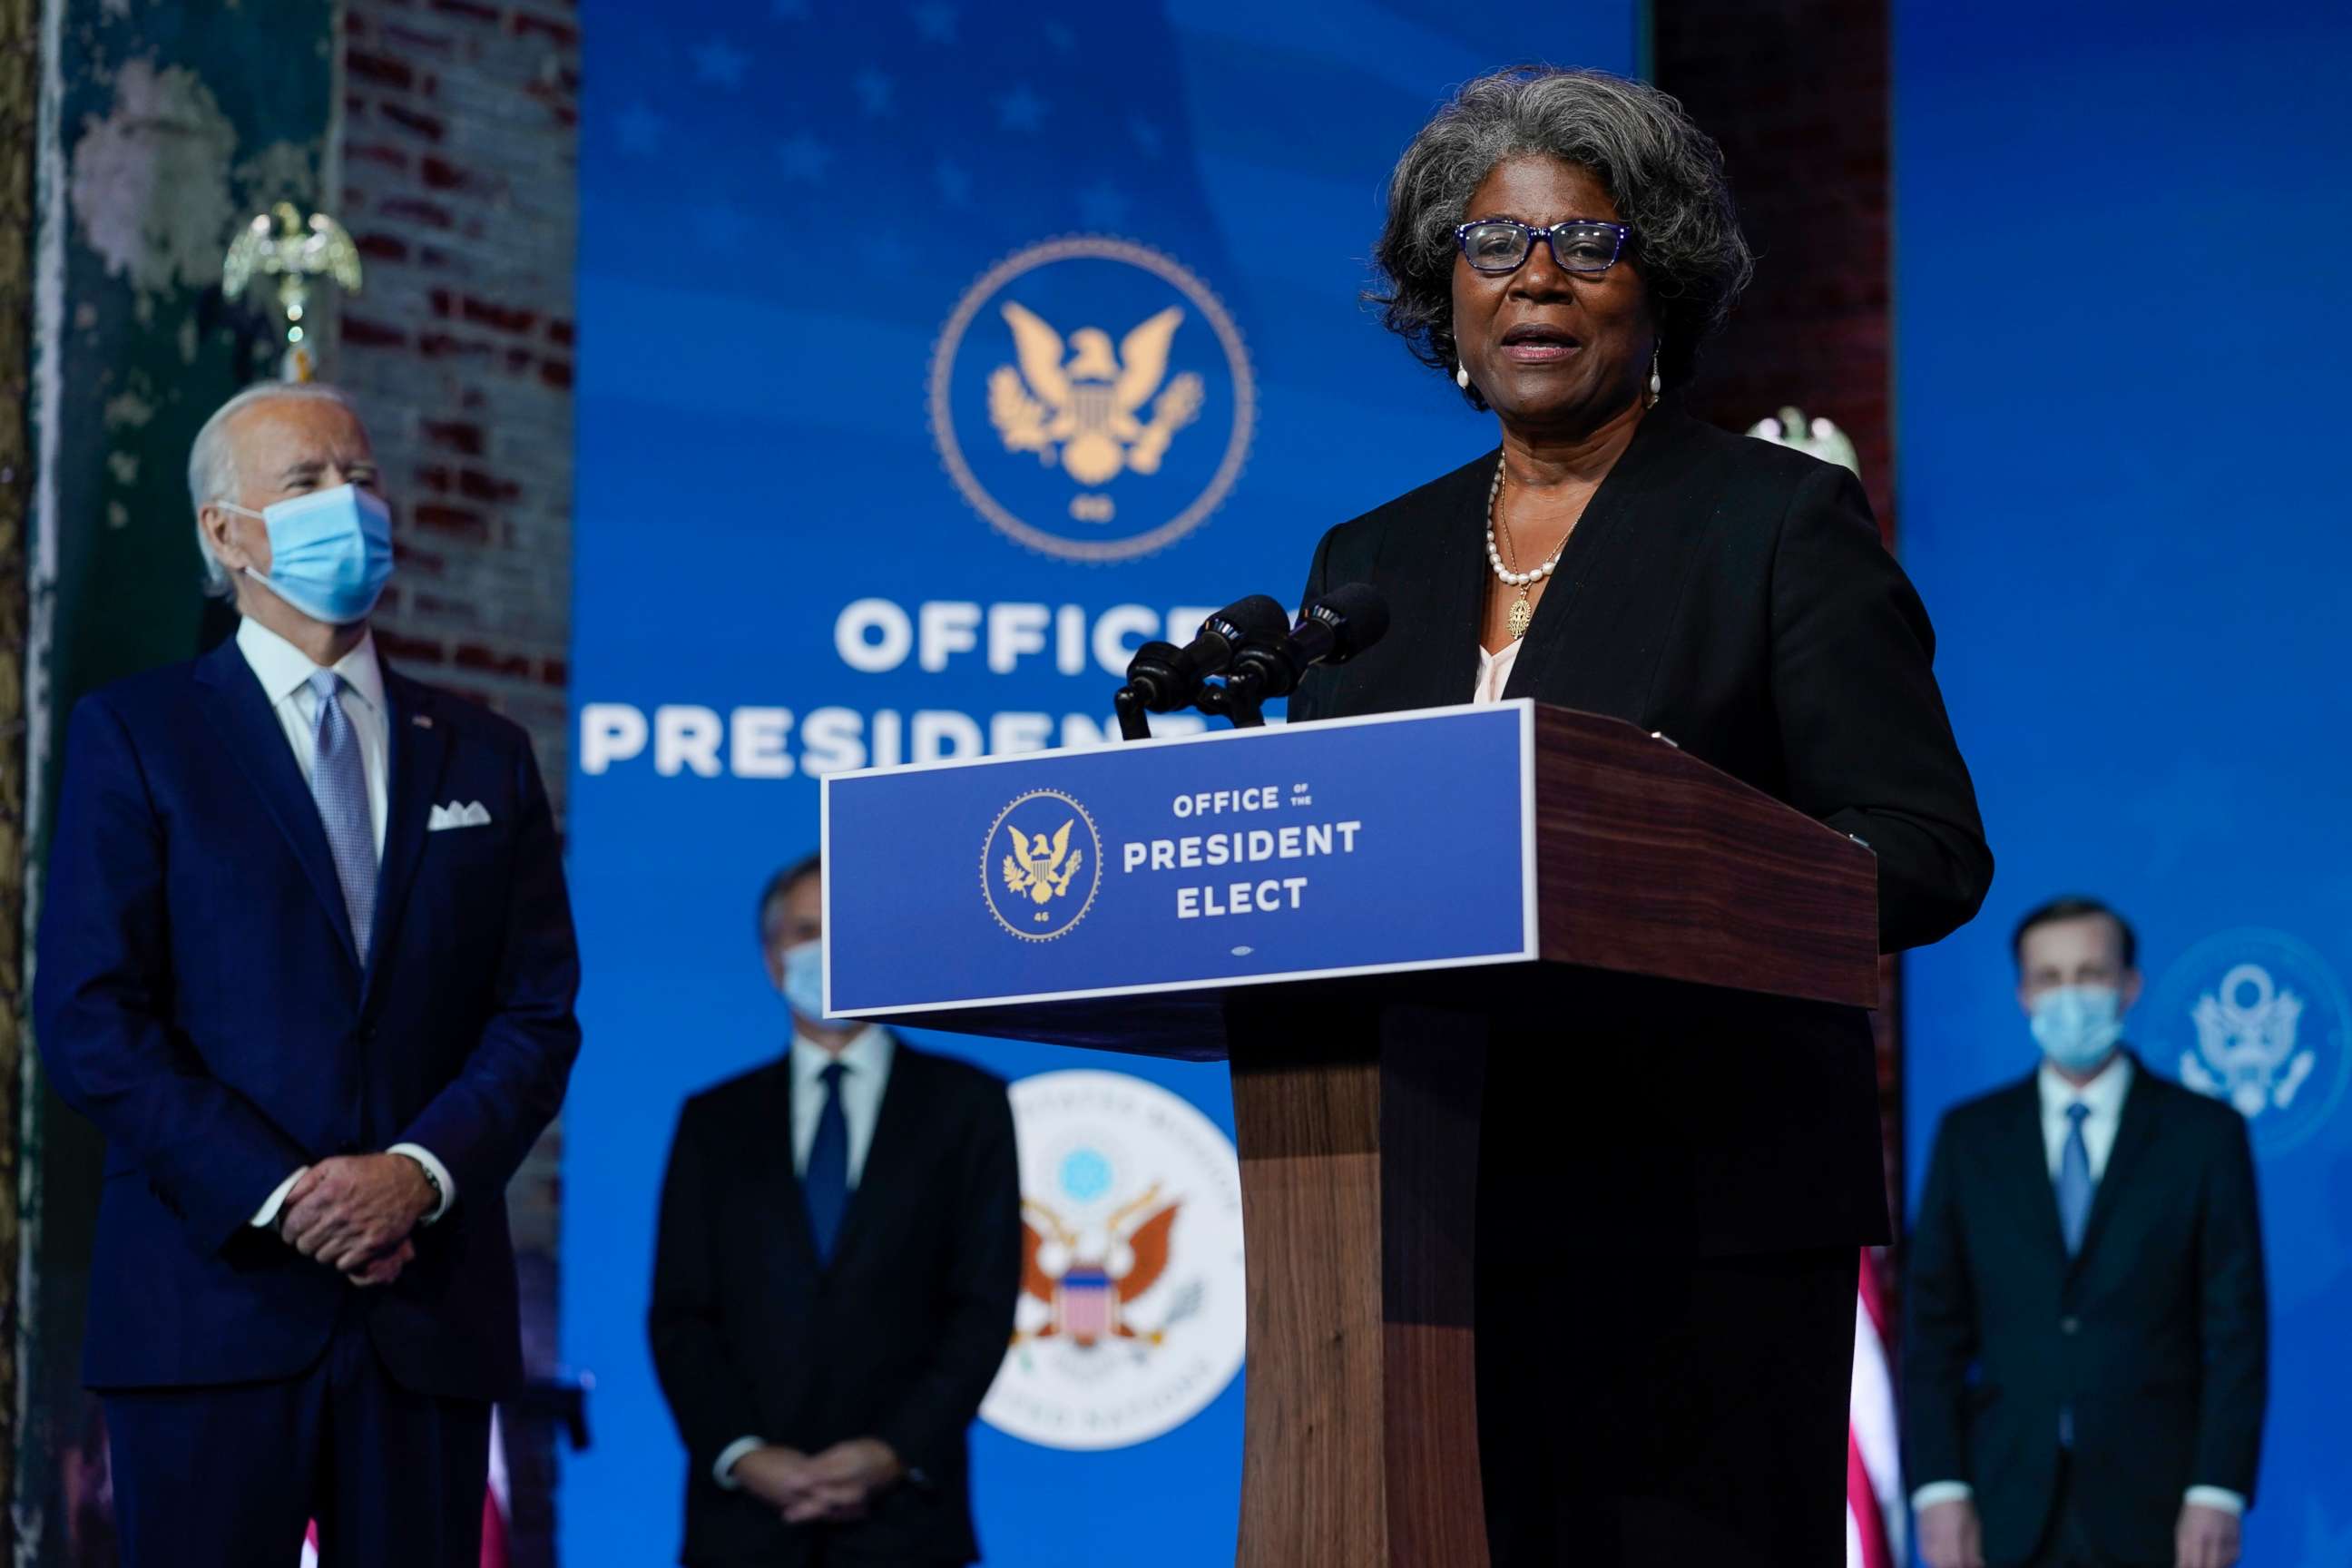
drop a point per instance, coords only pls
(868, 1057)
(2104, 1095)
(285, 671)
(1494, 672)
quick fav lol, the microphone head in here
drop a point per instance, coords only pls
(1258, 618)
(1358, 617)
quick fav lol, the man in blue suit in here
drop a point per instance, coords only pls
(307, 960)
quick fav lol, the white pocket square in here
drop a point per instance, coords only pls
(474, 815)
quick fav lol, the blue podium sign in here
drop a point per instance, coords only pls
(1361, 845)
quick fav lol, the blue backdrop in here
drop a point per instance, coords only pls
(841, 503)
(2121, 232)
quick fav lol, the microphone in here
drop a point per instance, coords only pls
(1164, 678)
(1332, 630)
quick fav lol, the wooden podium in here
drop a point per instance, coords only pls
(1356, 1105)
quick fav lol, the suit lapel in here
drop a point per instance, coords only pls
(770, 1154)
(888, 1156)
(1597, 633)
(2024, 1160)
(1438, 580)
(416, 747)
(2135, 1134)
(241, 717)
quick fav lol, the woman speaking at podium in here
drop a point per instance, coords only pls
(1663, 1360)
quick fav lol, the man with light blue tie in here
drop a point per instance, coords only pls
(834, 1283)
(2086, 1364)
(307, 962)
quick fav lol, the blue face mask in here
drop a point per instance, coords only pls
(330, 552)
(804, 980)
(2077, 1025)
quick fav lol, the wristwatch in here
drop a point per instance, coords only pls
(439, 1197)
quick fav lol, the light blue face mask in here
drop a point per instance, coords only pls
(2077, 1025)
(330, 552)
(804, 980)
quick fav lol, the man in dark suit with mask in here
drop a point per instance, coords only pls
(2085, 1366)
(307, 964)
(834, 1284)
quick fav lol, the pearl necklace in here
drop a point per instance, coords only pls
(1521, 612)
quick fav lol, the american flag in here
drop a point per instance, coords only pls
(494, 1509)
(1873, 1466)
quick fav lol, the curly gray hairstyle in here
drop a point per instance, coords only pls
(1664, 172)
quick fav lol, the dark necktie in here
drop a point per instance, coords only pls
(339, 783)
(825, 1185)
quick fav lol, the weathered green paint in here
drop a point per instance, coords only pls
(175, 123)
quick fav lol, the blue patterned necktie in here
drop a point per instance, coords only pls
(339, 784)
(825, 1185)
(2075, 1180)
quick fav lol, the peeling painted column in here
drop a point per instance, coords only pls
(160, 127)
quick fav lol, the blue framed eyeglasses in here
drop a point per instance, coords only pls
(1586, 247)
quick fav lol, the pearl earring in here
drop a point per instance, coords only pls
(1462, 375)
(1657, 351)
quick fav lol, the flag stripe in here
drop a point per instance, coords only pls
(1875, 1522)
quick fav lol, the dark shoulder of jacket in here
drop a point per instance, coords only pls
(2215, 1121)
(463, 714)
(951, 1075)
(148, 694)
(1762, 479)
(1355, 543)
(1972, 1118)
(729, 1095)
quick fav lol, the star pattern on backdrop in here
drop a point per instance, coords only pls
(935, 23)
(876, 93)
(1147, 136)
(955, 183)
(1060, 35)
(718, 224)
(640, 129)
(803, 157)
(719, 62)
(1020, 109)
(1103, 206)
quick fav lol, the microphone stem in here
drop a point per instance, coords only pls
(1134, 723)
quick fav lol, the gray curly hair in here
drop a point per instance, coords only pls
(1664, 172)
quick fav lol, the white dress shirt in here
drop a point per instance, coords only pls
(2104, 1095)
(1494, 672)
(285, 671)
(867, 1056)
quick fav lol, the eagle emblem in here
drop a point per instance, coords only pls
(1083, 404)
(1042, 867)
(2246, 1043)
(1089, 1294)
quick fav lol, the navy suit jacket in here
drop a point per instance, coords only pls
(2156, 1333)
(199, 998)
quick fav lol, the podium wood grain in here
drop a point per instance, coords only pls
(1356, 1106)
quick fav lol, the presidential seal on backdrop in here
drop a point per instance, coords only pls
(1041, 865)
(2257, 1019)
(1092, 399)
(1132, 1315)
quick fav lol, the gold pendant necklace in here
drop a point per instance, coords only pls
(1521, 613)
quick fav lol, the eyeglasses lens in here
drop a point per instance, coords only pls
(1584, 247)
(1495, 246)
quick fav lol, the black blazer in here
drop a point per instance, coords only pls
(897, 1337)
(2155, 1332)
(1734, 595)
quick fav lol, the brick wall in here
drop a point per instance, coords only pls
(459, 153)
(1796, 91)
